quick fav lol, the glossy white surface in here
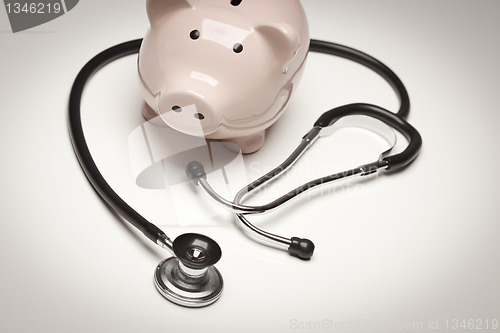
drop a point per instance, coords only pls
(414, 248)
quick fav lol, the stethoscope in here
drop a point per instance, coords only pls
(189, 278)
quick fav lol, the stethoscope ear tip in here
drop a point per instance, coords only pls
(301, 248)
(195, 171)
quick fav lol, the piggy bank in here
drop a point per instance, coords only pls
(222, 69)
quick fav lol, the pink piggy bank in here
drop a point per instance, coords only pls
(222, 69)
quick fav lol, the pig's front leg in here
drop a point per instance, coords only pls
(249, 144)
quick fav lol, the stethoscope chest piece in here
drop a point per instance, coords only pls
(190, 279)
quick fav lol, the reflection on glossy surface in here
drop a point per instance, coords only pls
(205, 78)
(223, 34)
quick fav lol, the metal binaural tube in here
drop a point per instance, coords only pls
(195, 171)
(302, 248)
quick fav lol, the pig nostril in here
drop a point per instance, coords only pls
(237, 48)
(199, 116)
(195, 34)
(176, 108)
(235, 2)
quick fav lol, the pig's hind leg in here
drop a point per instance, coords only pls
(151, 115)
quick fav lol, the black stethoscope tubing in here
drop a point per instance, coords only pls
(81, 148)
(155, 234)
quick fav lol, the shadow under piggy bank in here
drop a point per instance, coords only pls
(159, 156)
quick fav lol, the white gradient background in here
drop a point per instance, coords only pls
(418, 246)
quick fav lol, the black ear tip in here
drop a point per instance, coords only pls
(195, 171)
(196, 251)
(302, 248)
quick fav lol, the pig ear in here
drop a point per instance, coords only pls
(285, 40)
(156, 8)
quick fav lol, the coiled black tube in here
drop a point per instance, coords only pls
(92, 172)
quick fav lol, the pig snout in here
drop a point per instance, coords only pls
(188, 112)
